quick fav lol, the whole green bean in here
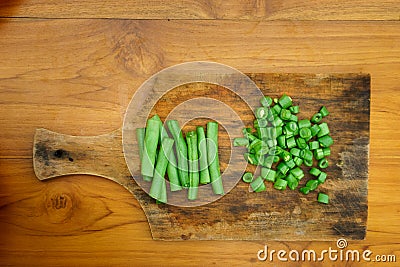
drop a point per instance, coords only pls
(212, 157)
(158, 185)
(140, 133)
(202, 147)
(181, 151)
(150, 147)
(172, 169)
(191, 139)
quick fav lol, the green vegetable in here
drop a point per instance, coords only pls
(323, 198)
(294, 109)
(322, 177)
(323, 163)
(181, 151)
(268, 174)
(140, 134)
(213, 160)
(304, 124)
(285, 101)
(172, 169)
(194, 177)
(290, 143)
(266, 101)
(297, 173)
(315, 172)
(325, 141)
(324, 111)
(312, 184)
(324, 129)
(151, 139)
(305, 190)
(317, 117)
(158, 185)
(292, 182)
(247, 177)
(261, 113)
(239, 141)
(313, 145)
(202, 147)
(280, 184)
(258, 185)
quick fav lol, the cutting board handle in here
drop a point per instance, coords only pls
(56, 154)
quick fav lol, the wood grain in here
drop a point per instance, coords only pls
(214, 9)
(80, 82)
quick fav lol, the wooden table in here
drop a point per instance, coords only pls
(72, 67)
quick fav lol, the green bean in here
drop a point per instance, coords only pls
(140, 134)
(212, 157)
(150, 147)
(158, 184)
(194, 178)
(181, 151)
(202, 146)
(172, 169)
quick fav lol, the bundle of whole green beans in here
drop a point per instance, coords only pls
(281, 144)
(188, 161)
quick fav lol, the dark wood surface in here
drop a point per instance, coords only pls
(240, 214)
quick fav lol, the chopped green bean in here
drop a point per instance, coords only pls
(323, 198)
(301, 143)
(247, 177)
(280, 184)
(258, 184)
(181, 151)
(324, 111)
(315, 130)
(285, 114)
(304, 124)
(240, 141)
(285, 101)
(261, 113)
(157, 184)
(325, 141)
(323, 163)
(315, 172)
(298, 161)
(312, 184)
(318, 153)
(317, 117)
(297, 173)
(283, 168)
(194, 177)
(268, 174)
(203, 163)
(324, 129)
(151, 139)
(327, 151)
(266, 101)
(313, 145)
(291, 142)
(305, 190)
(292, 182)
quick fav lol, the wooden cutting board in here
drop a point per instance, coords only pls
(240, 214)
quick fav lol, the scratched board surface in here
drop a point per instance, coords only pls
(276, 215)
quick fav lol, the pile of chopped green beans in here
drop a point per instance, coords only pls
(187, 163)
(281, 144)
